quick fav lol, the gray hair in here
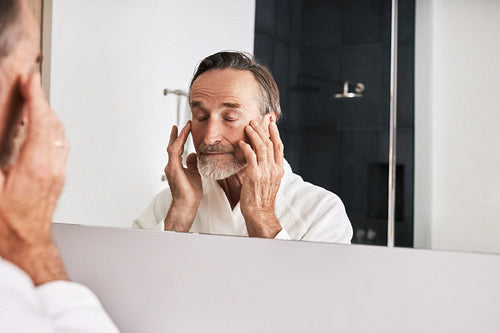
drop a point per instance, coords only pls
(10, 29)
(269, 93)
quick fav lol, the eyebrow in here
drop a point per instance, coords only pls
(232, 105)
(198, 104)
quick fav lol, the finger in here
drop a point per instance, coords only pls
(30, 113)
(256, 142)
(249, 153)
(45, 135)
(42, 122)
(184, 133)
(260, 130)
(54, 149)
(26, 85)
(59, 155)
(36, 102)
(176, 144)
(178, 141)
(264, 136)
(174, 156)
(192, 161)
(173, 135)
(277, 143)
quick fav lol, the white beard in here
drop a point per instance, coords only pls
(212, 167)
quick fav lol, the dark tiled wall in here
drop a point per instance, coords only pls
(312, 47)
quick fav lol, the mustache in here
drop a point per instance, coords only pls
(215, 148)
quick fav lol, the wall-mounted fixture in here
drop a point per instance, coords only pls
(358, 89)
(176, 92)
(180, 93)
(183, 114)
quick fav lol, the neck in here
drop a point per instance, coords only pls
(232, 187)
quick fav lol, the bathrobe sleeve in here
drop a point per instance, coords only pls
(283, 235)
(58, 306)
(153, 217)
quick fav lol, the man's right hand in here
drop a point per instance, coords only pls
(185, 183)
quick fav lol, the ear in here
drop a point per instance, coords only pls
(268, 119)
(272, 117)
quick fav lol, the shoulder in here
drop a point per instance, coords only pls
(295, 189)
(314, 213)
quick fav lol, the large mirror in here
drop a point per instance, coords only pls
(110, 62)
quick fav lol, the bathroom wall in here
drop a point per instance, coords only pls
(457, 182)
(110, 62)
(312, 47)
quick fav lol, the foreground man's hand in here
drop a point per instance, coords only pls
(30, 188)
(262, 180)
(185, 183)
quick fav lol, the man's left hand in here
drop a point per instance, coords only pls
(262, 179)
(29, 190)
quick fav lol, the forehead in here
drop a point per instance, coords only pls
(225, 83)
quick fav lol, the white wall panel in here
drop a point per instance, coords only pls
(111, 61)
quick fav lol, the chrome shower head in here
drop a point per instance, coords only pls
(358, 88)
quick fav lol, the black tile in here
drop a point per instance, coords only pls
(280, 68)
(406, 87)
(296, 21)
(322, 23)
(291, 142)
(264, 48)
(264, 13)
(319, 147)
(358, 149)
(363, 21)
(325, 64)
(282, 13)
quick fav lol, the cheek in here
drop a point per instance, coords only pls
(196, 134)
(235, 134)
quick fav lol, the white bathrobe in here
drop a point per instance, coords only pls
(304, 211)
(58, 306)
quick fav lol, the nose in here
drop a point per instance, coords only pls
(213, 133)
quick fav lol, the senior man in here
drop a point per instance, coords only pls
(35, 294)
(238, 182)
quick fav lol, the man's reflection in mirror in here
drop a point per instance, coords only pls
(238, 182)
